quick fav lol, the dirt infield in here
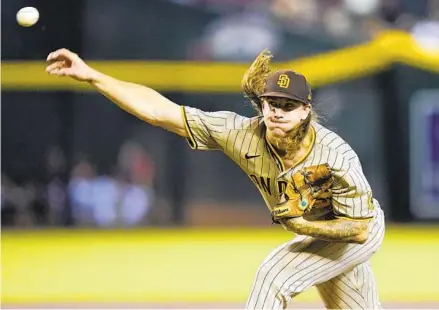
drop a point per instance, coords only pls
(293, 305)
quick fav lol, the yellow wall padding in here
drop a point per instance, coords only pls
(201, 77)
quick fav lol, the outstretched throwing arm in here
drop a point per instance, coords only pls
(141, 101)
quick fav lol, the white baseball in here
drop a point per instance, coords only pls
(27, 16)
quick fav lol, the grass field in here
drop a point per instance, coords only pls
(188, 268)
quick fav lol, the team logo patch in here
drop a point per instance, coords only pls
(283, 81)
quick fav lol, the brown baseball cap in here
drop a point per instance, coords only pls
(288, 84)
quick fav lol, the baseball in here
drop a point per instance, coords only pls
(27, 16)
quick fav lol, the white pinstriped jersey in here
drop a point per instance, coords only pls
(243, 140)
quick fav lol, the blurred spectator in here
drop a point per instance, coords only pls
(55, 161)
(337, 22)
(8, 207)
(228, 37)
(296, 13)
(138, 185)
(426, 34)
(56, 191)
(37, 203)
(23, 205)
(116, 202)
(104, 199)
(135, 203)
(56, 200)
(121, 198)
(136, 162)
(362, 7)
(80, 190)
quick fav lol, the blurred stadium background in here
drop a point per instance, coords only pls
(100, 209)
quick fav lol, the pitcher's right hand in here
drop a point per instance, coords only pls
(64, 62)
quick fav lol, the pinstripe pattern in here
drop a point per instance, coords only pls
(337, 269)
(355, 289)
(306, 261)
(237, 136)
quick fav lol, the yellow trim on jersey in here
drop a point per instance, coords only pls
(191, 140)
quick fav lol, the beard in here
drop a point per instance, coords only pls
(289, 144)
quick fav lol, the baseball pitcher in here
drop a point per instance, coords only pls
(310, 178)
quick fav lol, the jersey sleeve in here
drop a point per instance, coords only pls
(209, 130)
(352, 195)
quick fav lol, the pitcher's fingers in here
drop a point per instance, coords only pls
(64, 71)
(56, 64)
(57, 72)
(62, 53)
(49, 57)
(53, 71)
(60, 71)
(53, 56)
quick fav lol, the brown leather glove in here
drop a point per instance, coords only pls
(307, 188)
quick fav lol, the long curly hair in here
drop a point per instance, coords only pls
(254, 80)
